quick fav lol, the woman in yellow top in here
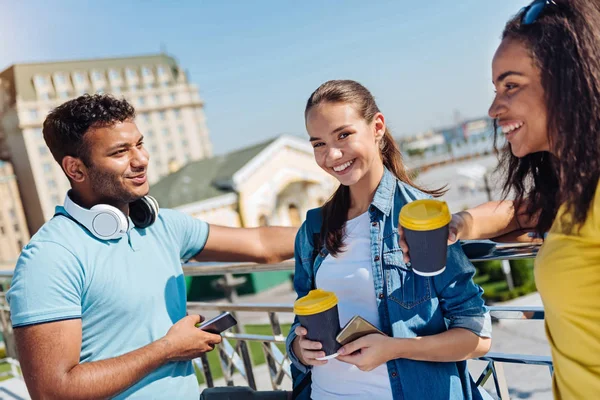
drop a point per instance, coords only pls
(546, 72)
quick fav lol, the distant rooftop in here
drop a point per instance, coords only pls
(24, 73)
(204, 179)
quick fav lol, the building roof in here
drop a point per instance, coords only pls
(24, 73)
(204, 179)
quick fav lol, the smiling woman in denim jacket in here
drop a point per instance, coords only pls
(434, 324)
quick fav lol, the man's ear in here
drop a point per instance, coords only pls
(74, 168)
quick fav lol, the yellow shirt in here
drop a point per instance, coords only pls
(567, 274)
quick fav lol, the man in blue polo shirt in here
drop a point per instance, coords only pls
(98, 299)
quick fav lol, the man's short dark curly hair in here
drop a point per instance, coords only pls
(65, 126)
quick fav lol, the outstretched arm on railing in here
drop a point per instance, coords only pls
(494, 220)
(262, 245)
(49, 357)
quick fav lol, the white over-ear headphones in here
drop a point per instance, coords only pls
(107, 222)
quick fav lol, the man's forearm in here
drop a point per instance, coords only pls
(453, 345)
(106, 378)
(278, 243)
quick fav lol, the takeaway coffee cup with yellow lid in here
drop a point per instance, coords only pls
(318, 313)
(426, 224)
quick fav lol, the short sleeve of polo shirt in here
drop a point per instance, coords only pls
(190, 233)
(47, 285)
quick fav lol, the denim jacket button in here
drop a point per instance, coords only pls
(394, 374)
(381, 295)
(372, 208)
(374, 224)
(376, 258)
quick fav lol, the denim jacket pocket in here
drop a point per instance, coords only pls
(403, 285)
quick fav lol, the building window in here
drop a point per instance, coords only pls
(44, 96)
(149, 85)
(146, 71)
(114, 74)
(60, 79)
(39, 134)
(155, 150)
(162, 115)
(51, 183)
(161, 70)
(165, 132)
(146, 117)
(294, 215)
(79, 77)
(263, 220)
(173, 98)
(157, 99)
(63, 94)
(40, 80)
(131, 73)
(184, 143)
(149, 133)
(56, 200)
(47, 167)
(96, 75)
(177, 114)
(43, 150)
(181, 129)
(170, 145)
(141, 100)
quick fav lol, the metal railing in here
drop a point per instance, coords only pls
(234, 353)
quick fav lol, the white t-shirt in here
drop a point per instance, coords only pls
(350, 277)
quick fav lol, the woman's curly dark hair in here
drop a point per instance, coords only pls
(65, 126)
(565, 45)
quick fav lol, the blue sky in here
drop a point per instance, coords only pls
(256, 62)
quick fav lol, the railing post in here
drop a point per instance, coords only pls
(276, 373)
(229, 286)
(508, 274)
(500, 381)
(206, 370)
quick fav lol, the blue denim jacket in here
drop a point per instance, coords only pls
(409, 305)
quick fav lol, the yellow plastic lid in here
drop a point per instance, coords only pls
(425, 215)
(316, 301)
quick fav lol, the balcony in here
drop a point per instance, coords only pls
(502, 373)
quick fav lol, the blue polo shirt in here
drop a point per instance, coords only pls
(128, 292)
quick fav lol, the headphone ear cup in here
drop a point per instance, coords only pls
(108, 222)
(154, 202)
(142, 213)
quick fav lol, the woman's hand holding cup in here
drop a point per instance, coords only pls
(456, 227)
(306, 350)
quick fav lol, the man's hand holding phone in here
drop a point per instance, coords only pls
(184, 341)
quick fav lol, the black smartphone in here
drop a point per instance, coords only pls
(218, 324)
